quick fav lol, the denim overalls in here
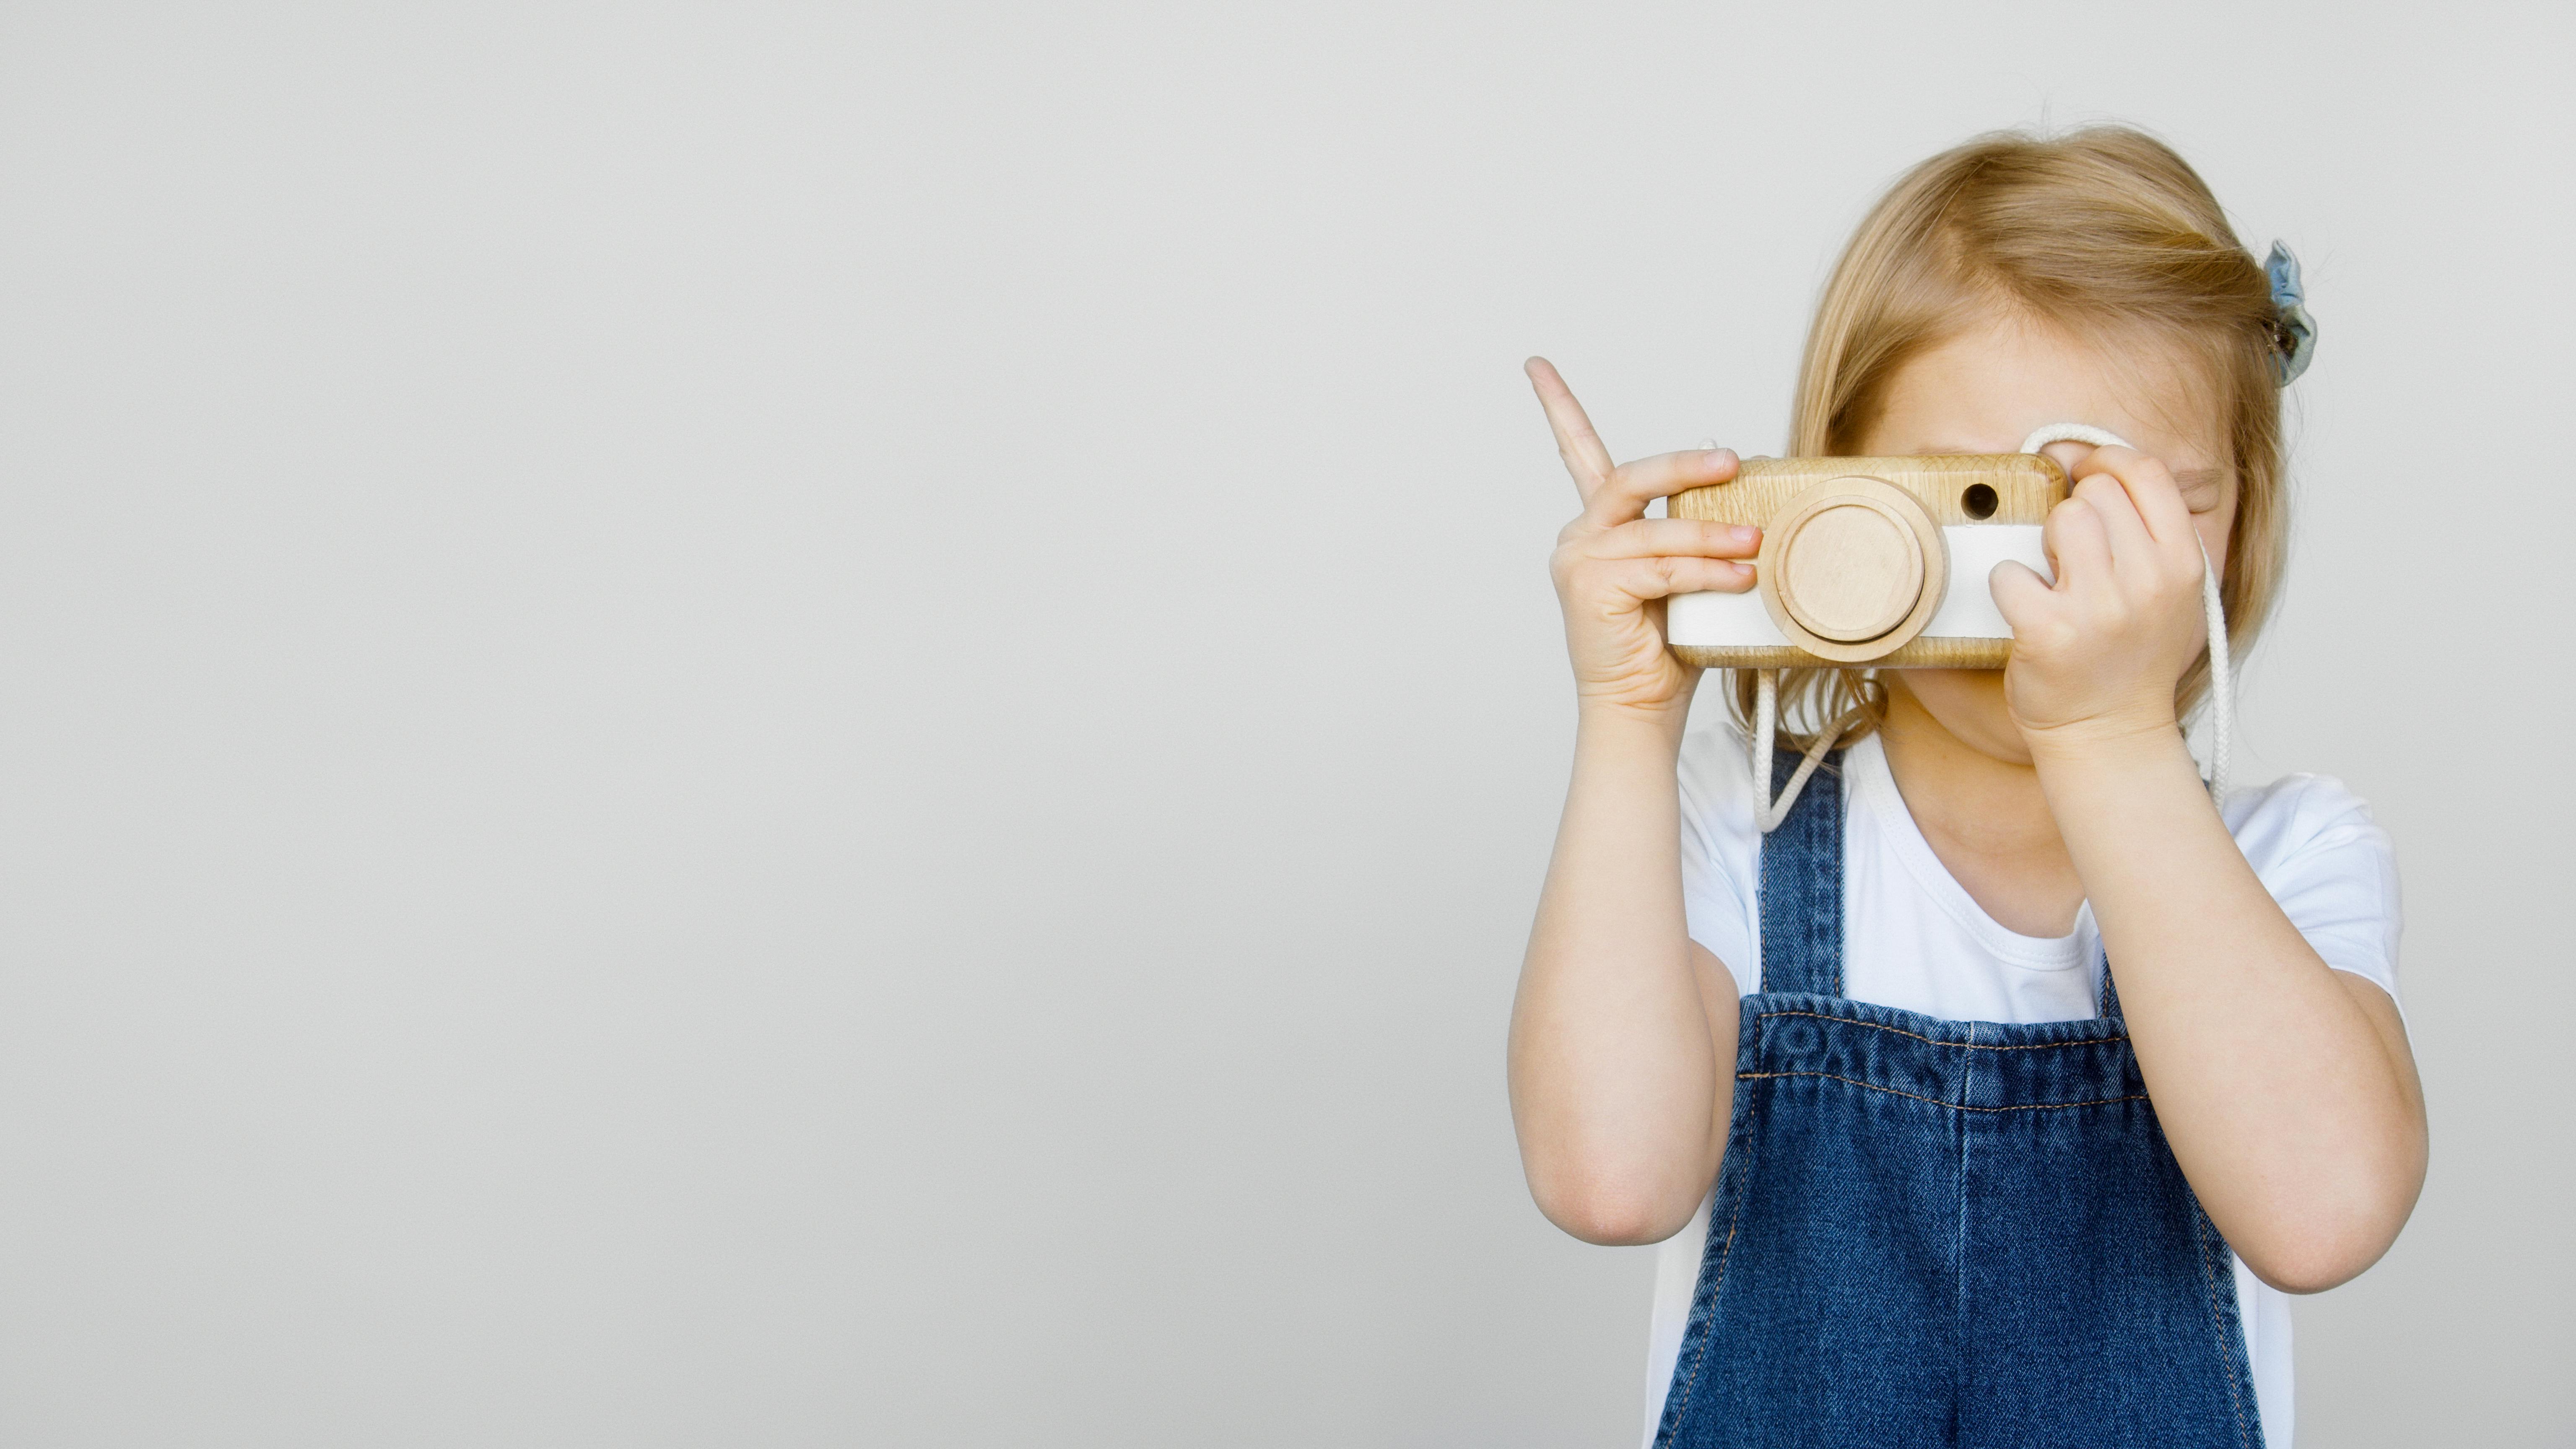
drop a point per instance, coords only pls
(1932, 1232)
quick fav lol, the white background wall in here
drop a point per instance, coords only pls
(753, 725)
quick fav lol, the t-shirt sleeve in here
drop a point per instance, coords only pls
(1717, 849)
(2315, 847)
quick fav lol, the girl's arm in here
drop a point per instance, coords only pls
(1623, 1033)
(1622, 1056)
(2286, 1088)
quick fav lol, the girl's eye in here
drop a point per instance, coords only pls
(2203, 489)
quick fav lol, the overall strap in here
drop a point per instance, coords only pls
(1800, 891)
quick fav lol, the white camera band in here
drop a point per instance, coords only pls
(1965, 612)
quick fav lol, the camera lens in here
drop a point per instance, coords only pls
(1978, 501)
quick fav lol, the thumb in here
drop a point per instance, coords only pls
(2021, 595)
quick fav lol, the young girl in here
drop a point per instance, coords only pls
(1928, 1177)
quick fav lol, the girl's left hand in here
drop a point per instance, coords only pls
(2097, 654)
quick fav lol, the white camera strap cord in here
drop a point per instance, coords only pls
(1768, 813)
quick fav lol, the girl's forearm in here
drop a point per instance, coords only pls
(1617, 1092)
(2295, 1116)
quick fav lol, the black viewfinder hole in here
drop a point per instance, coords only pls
(1979, 501)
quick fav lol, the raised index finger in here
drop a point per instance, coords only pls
(1585, 459)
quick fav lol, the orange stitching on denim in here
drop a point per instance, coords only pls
(2217, 1322)
(1959, 1241)
(1937, 1102)
(1974, 1046)
(1725, 1251)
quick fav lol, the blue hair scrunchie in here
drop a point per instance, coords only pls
(2297, 337)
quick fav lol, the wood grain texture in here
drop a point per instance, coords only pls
(2026, 486)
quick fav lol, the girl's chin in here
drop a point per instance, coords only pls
(1966, 704)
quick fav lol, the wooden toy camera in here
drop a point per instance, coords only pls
(1868, 562)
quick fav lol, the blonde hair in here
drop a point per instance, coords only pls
(2103, 232)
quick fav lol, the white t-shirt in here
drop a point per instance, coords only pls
(1914, 939)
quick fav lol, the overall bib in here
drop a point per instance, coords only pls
(1955, 1233)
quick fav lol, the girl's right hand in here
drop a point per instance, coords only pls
(1614, 566)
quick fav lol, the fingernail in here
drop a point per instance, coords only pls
(1746, 533)
(1717, 456)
